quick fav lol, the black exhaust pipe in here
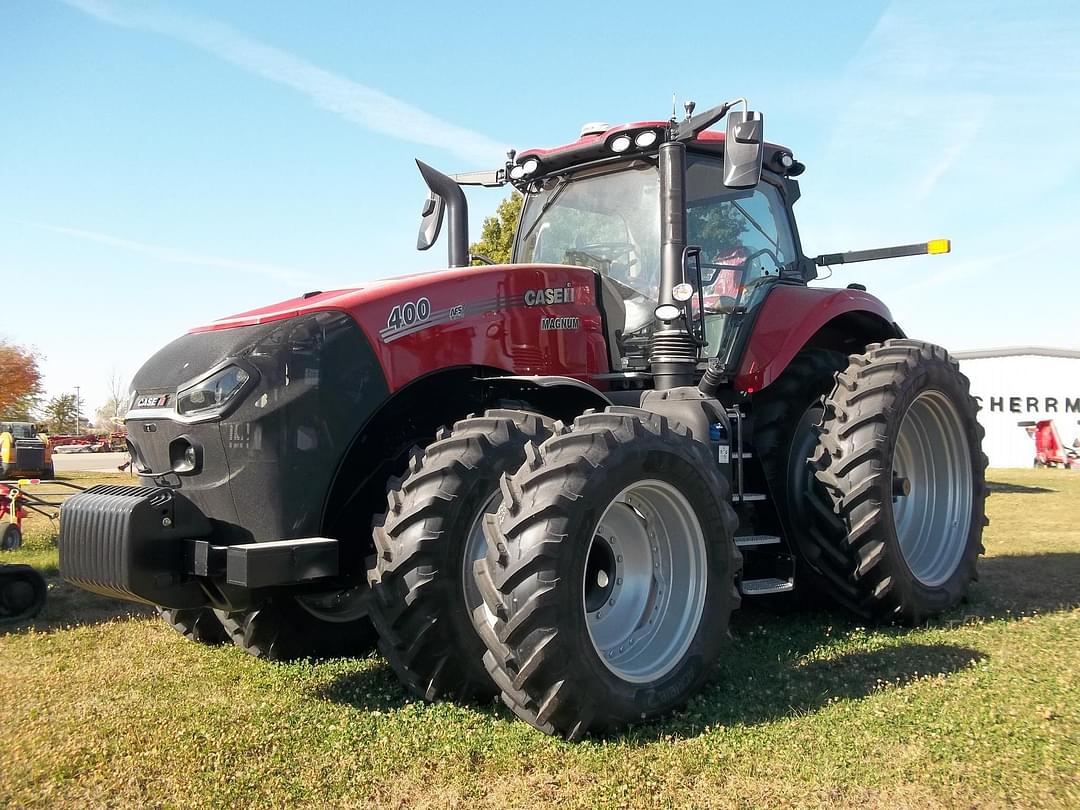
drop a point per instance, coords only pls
(673, 354)
(457, 212)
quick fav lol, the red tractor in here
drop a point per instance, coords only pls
(553, 480)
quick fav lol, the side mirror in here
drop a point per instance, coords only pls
(744, 146)
(431, 221)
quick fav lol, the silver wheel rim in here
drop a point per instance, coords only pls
(475, 550)
(645, 580)
(932, 463)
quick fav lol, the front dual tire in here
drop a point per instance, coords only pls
(423, 592)
(609, 578)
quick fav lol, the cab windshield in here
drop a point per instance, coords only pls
(607, 219)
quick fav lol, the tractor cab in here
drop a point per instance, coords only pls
(608, 218)
(685, 228)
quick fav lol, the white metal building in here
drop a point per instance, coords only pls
(1023, 383)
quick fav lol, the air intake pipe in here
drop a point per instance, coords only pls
(673, 354)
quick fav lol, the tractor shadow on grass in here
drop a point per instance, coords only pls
(771, 672)
(1024, 584)
(779, 665)
(373, 689)
(1006, 488)
(67, 606)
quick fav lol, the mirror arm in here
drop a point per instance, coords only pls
(692, 127)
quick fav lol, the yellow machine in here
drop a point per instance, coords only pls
(24, 451)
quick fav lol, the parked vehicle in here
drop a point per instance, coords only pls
(24, 451)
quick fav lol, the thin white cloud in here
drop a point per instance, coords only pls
(939, 105)
(174, 256)
(355, 102)
(963, 132)
(963, 271)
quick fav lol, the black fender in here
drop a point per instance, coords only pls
(553, 395)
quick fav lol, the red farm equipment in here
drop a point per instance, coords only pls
(1050, 451)
(553, 480)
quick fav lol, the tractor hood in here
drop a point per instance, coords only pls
(349, 298)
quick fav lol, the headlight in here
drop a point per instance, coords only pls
(213, 393)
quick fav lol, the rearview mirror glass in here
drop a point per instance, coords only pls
(431, 221)
(743, 149)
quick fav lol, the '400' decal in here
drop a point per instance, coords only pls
(408, 314)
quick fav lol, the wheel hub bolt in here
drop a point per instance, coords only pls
(901, 486)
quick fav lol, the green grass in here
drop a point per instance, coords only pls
(101, 704)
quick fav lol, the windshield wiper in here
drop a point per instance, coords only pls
(563, 182)
(754, 222)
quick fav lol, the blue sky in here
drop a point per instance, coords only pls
(165, 164)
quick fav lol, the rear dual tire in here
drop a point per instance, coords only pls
(903, 487)
(624, 499)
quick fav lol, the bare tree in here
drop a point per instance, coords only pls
(110, 416)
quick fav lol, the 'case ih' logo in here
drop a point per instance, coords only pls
(550, 295)
(151, 401)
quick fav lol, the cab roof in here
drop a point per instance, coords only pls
(594, 146)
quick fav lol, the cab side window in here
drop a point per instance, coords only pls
(742, 233)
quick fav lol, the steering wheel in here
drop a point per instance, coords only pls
(605, 253)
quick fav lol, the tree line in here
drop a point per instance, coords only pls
(22, 396)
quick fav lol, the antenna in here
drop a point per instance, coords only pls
(674, 107)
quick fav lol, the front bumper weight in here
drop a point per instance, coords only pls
(264, 565)
(125, 542)
(153, 545)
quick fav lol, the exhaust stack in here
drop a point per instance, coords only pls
(445, 192)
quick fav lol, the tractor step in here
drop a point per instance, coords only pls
(749, 496)
(748, 540)
(766, 586)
